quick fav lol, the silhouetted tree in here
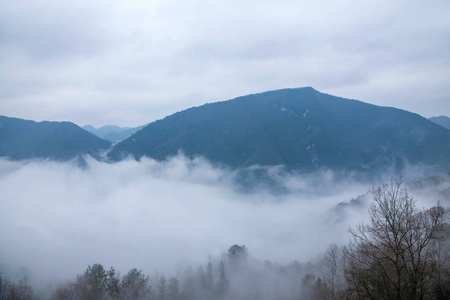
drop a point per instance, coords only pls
(307, 290)
(200, 278)
(96, 283)
(112, 283)
(223, 284)
(173, 290)
(21, 290)
(135, 285)
(67, 291)
(237, 254)
(331, 270)
(162, 288)
(394, 256)
(209, 279)
(189, 288)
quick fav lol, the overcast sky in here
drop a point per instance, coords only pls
(131, 62)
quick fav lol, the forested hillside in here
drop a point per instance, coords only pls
(302, 129)
(24, 139)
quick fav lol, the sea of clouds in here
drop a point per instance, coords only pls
(58, 218)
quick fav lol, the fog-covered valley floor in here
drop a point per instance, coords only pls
(58, 218)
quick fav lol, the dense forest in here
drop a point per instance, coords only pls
(402, 252)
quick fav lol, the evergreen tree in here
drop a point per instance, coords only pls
(162, 288)
(173, 290)
(209, 278)
(135, 285)
(189, 286)
(200, 278)
(223, 284)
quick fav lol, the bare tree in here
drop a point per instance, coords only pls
(5, 287)
(331, 270)
(20, 290)
(395, 256)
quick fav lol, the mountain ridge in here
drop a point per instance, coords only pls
(443, 121)
(27, 139)
(112, 133)
(300, 128)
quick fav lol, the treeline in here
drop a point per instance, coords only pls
(20, 290)
(402, 252)
(233, 276)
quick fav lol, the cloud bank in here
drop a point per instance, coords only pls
(57, 218)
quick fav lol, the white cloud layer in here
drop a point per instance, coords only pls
(131, 62)
(57, 218)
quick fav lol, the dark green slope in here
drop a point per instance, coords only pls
(300, 128)
(23, 139)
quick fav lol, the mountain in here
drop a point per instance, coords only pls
(112, 133)
(23, 139)
(301, 128)
(441, 120)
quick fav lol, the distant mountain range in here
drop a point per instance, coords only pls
(441, 120)
(112, 133)
(23, 139)
(302, 129)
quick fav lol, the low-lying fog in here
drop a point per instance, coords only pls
(57, 218)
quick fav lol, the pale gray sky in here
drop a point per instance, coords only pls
(131, 62)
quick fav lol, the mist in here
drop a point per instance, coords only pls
(58, 218)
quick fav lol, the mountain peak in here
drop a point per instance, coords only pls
(275, 128)
(24, 139)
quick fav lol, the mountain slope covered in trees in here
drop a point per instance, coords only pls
(24, 139)
(302, 129)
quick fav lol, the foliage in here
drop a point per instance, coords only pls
(134, 285)
(237, 255)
